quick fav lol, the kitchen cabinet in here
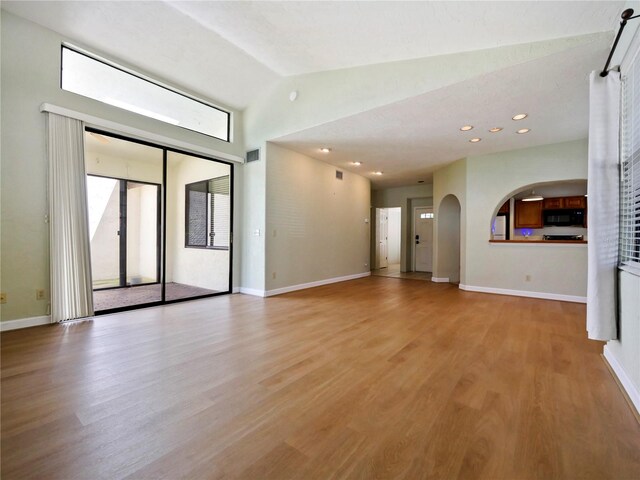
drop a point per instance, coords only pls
(504, 208)
(560, 203)
(553, 203)
(575, 202)
(528, 214)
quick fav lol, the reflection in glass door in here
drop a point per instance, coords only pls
(160, 223)
(198, 226)
(124, 181)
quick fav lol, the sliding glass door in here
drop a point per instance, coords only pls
(160, 223)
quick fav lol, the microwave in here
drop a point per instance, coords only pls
(563, 218)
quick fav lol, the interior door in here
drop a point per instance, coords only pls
(381, 237)
(423, 242)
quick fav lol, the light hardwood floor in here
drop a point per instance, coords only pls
(373, 378)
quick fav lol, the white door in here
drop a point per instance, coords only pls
(381, 237)
(423, 241)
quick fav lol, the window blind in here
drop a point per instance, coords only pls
(630, 157)
(208, 213)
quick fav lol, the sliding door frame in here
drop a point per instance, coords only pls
(165, 150)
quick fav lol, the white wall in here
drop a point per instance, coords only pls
(30, 75)
(317, 226)
(393, 235)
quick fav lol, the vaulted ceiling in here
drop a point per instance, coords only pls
(236, 52)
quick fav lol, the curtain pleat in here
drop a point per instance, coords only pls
(71, 291)
(603, 190)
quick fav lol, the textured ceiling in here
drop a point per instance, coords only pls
(408, 140)
(302, 37)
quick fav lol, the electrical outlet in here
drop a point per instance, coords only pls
(527, 278)
(3, 297)
(39, 294)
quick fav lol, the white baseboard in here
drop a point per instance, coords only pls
(440, 279)
(624, 379)
(525, 293)
(252, 291)
(24, 323)
(302, 286)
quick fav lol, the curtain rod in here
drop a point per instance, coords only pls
(626, 15)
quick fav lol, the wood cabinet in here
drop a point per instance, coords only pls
(504, 208)
(560, 203)
(553, 203)
(575, 202)
(528, 214)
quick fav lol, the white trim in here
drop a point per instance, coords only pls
(413, 237)
(302, 286)
(24, 323)
(525, 293)
(440, 279)
(252, 291)
(140, 134)
(630, 267)
(625, 381)
(235, 290)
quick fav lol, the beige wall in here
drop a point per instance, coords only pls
(316, 226)
(450, 180)
(200, 267)
(557, 269)
(407, 198)
(482, 183)
(30, 75)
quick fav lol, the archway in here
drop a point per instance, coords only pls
(448, 253)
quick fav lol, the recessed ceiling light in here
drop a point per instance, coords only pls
(475, 140)
(377, 173)
(495, 129)
(466, 128)
(325, 149)
(357, 164)
(524, 130)
(519, 116)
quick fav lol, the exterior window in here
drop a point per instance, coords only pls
(426, 215)
(630, 171)
(114, 85)
(207, 219)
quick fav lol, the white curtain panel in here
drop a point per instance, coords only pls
(71, 292)
(603, 190)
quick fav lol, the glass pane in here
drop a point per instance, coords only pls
(198, 226)
(124, 182)
(92, 78)
(103, 200)
(143, 233)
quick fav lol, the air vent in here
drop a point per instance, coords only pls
(253, 155)
(338, 174)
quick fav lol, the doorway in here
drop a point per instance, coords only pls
(388, 238)
(160, 223)
(423, 239)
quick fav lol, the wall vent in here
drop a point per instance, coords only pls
(338, 174)
(253, 155)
